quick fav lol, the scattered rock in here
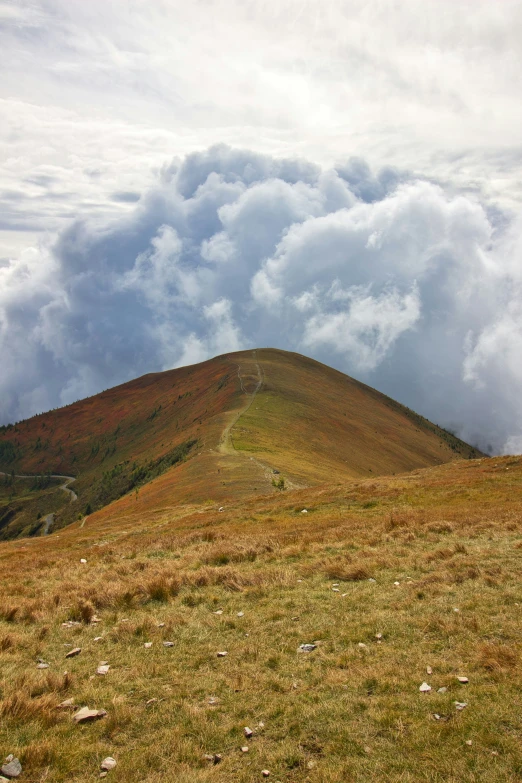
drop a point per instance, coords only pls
(248, 732)
(436, 716)
(371, 579)
(265, 773)
(260, 725)
(396, 584)
(108, 764)
(161, 625)
(335, 590)
(362, 646)
(85, 715)
(469, 742)
(221, 508)
(103, 774)
(103, 668)
(222, 654)
(213, 700)
(425, 688)
(168, 644)
(463, 680)
(147, 645)
(219, 611)
(304, 511)
(240, 614)
(74, 653)
(335, 584)
(456, 610)
(11, 768)
(95, 620)
(244, 749)
(306, 648)
(83, 560)
(460, 705)
(42, 665)
(429, 670)
(97, 638)
(378, 636)
(150, 701)
(442, 690)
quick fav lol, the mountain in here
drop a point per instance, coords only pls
(241, 424)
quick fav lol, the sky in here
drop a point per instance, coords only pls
(344, 179)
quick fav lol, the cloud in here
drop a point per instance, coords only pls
(412, 288)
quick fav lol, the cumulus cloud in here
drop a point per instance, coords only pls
(411, 288)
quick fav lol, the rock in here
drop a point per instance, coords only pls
(221, 508)
(425, 688)
(260, 725)
(244, 749)
(68, 704)
(222, 654)
(378, 636)
(85, 715)
(83, 560)
(265, 773)
(108, 763)
(168, 644)
(213, 700)
(150, 701)
(161, 625)
(429, 670)
(362, 646)
(335, 590)
(248, 732)
(463, 680)
(304, 511)
(103, 774)
(219, 611)
(147, 645)
(460, 705)
(306, 648)
(95, 620)
(442, 690)
(103, 668)
(11, 769)
(469, 742)
(371, 579)
(73, 653)
(396, 584)
(240, 614)
(42, 665)
(215, 758)
(97, 638)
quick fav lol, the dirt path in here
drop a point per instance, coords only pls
(49, 519)
(225, 444)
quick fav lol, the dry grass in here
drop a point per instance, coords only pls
(257, 581)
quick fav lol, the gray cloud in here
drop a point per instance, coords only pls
(413, 289)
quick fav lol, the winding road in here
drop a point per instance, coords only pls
(49, 519)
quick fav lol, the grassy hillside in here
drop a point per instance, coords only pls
(228, 428)
(397, 580)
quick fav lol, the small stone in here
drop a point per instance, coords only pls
(147, 645)
(103, 668)
(442, 690)
(265, 773)
(83, 560)
(260, 725)
(378, 635)
(150, 701)
(214, 758)
(304, 511)
(460, 705)
(396, 584)
(362, 646)
(244, 749)
(12, 768)
(97, 638)
(429, 670)
(248, 732)
(219, 611)
(161, 625)
(306, 648)
(335, 584)
(371, 579)
(335, 590)
(213, 700)
(85, 715)
(42, 665)
(463, 680)
(74, 653)
(103, 774)
(95, 620)
(344, 595)
(168, 644)
(68, 704)
(456, 610)
(425, 688)
(240, 614)
(108, 763)
(469, 742)
(222, 654)
(221, 508)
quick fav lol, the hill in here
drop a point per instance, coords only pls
(242, 424)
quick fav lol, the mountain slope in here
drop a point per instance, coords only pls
(226, 428)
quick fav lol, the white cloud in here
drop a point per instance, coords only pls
(412, 288)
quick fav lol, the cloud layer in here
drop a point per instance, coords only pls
(385, 276)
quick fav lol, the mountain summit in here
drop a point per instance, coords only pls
(246, 423)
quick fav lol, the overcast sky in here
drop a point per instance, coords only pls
(344, 179)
